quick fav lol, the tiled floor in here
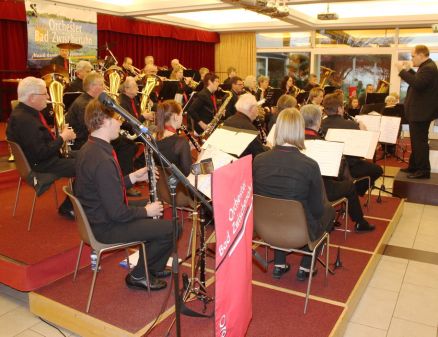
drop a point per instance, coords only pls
(401, 299)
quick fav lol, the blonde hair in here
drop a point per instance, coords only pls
(290, 128)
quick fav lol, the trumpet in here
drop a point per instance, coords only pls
(297, 91)
(191, 82)
(181, 66)
(134, 70)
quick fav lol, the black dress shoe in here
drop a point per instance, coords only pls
(132, 192)
(407, 170)
(141, 284)
(364, 227)
(279, 271)
(161, 274)
(419, 175)
(304, 273)
(66, 213)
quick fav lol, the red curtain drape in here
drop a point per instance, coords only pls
(191, 54)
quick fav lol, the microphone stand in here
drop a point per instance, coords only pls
(175, 176)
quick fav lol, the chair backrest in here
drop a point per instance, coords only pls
(183, 198)
(84, 227)
(279, 222)
(21, 162)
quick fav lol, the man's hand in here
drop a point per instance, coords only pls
(148, 115)
(154, 209)
(67, 133)
(139, 175)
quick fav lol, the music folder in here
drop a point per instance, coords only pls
(375, 97)
(272, 96)
(164, 73)
(387, 126)
(230, 140)
(169, 89)
(358, 143)
(327, 154)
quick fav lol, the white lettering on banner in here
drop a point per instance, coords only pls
(223, 326)
(236, 202)
(223, 246)
(59, 25)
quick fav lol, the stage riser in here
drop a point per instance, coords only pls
(421, 191)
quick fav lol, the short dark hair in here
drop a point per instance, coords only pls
(422, 49)
(209, 77)
(95, 114)
(235, 79)
(331, 103)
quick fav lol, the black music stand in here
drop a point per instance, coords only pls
(302, 97)
(330, 89)
(353, 112)
(164, 73)
(169, 90)
(375, 97)
(272, 96)
(397, 111)
(189, 73)
(377, 107)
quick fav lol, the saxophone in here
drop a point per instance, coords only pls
(56, 90)
(191, 138)
(218, 117)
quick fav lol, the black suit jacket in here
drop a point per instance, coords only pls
(202, 109)
(421, 103)
(286, 173)
(75, 119)
(241, 121)
(125, 103)
(231, 107)
(75, 86)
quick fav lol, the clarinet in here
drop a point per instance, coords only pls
(149, 158)
(191, 138)
(262, 132)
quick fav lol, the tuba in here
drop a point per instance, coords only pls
(114, 76)
(150, 83)
(325, 75)
(218, 117)
(382, 87)
(56, 90)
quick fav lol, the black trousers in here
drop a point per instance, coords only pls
(339, 189)
(419, 159)
(326, 222)
(156, 233)
(363, 168)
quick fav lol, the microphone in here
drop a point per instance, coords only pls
(111, 104)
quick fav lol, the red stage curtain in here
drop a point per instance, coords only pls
(190, 53)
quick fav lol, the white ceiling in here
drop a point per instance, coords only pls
(228, 15)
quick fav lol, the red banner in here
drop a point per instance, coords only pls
(232, 204)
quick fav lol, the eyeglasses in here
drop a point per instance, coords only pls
(44, 94)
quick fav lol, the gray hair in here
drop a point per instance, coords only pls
(128, 81)
(311, 114)
(28, 86)
(262, 78)
(391, 99)
(290, 128)
(83, 65)
(245, 103)
(249, 81)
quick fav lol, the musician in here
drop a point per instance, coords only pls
(202, 72)
(353, 106)
(420, 108)
(250, 84)
(28, 128)
(152, 70)
(149, 60)
(287, 86)
(369, 89)
(236, 90)
(100, 187)
(312, 82)
(93, 86)
(341, 186)
(175, 65)
(127, 67)
(129, 101)
(61, 59)
(284, 102)
(231, 72)
(175, 148)
(244, 117)
(359, 167)
(284, 172)
(183, 87)
(316, 95)
(83, 68)
(263, 82)
(204, 106)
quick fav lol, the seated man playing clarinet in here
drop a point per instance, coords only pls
(101, 188)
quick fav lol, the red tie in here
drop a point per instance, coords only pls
(184, 93)
(213, 99)
(134, 109)
(43, 120)
(66, 64)
(125, 197)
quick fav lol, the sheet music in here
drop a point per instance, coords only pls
(230, 140)
(388, 126)
(271, 136)
(358, 143)
(219, 158)
(327, 154)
